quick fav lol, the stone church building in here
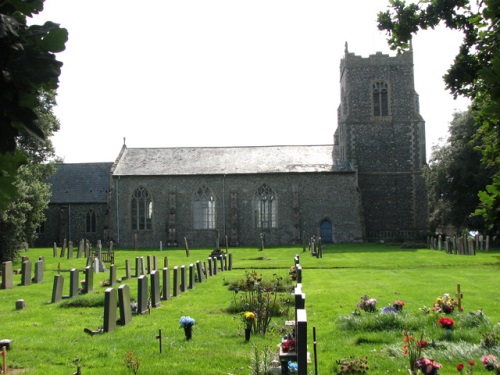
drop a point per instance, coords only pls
(365, 185)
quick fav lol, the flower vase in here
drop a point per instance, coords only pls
(188, 330)
(247, 334)
(448, 333)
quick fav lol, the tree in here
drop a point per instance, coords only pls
(23, 215)
(455, 176)
(475, 72)
(28, 66)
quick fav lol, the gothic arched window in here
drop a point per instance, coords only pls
(380, 99)
(265, 207)
(141, 209)
(204, 209)
(90, 220)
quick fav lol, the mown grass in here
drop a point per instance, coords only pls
(49, 339)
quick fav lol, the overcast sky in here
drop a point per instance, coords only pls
(221, 73)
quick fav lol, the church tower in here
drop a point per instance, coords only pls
(382, 135)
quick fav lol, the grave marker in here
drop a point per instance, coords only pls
(73, 282)
(191, 277)
(142, 298)
(183, 279)
(112, 275)
(110, 300)
(155, 289)
(57, 288)
(39, 266)
(124, 304)
(166, 284)
(210, 269)
(7, 275)
(54, 250)
(177, 290)
(127, 269)
(26, 273)
(70, 250)
(89, 280)
(199, 271)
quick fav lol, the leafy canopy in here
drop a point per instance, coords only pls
(28, 65)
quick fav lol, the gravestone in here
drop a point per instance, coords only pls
(165, 262)
(205, 272)
(112, 275)
(142, 294)
(155, 289)
(150, 264)
(39, 266)
(96, 265)
(222, 263)
(80, 249)
(177, 290)
(199, 271)
(298, 269)
(26, 273)
(20, 304)
(183, 278)
(143, 266)
(102, 267)
(57, 288)
(54, 250)
(155, 263)
(110, 300)
(230, 265)
(301, 338)
(124, 304)
(127, 269)
(166, 284)
(63, 249)
(210, 269)
(70, 250)
(138, 267)
(89, 262)
(73, 282)
(7, 275)
(87, 249)
(215, 266)
(89, 280)
(191, 276)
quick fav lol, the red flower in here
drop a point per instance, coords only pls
(460, 366)
(472, 363)
(446, 322)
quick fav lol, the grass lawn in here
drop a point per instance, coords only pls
(49, 338)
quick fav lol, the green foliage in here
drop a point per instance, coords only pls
(352, 365)
(455, 176)
(23, 215)
(28, 65)
(83, 300)
(132, 361)
(474, 74)
(265, 298)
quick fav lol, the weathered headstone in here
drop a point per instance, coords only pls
(298, 269)
(7, 275)
(63, 249)
(215, 265)
(142, 294)
(143, 266)
(150, 263)
(199, 272)
(89, 279)
(70, 250)
(191, 276)
(138, 267)
(110, 300)
(96, 265)
(54, 250)
(20, 304)
(177, 290)
(87, 248)
(102, 267)
(112, 275)
(127, 269)
(80, 249)
(124, 304)
(210, 267)
(183, 278)
(26, 273)
(230, 265)
(205, 270)
(39, 266)
(57, 288)
(165, 262)
(155, 289)
(166, 283)
(73, 282)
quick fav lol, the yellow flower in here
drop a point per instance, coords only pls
(250, 316)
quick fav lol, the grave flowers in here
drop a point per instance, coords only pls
(293, 273)
(447, 324)
(288, 346)
(445, 304)
(366, 304)
(460, 368)
(397, 306)
(491, 363)
(187, 323)
(413, 349)
(428, 366)
(249, 319)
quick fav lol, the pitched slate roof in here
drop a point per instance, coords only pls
(80, 183)
(225, 160)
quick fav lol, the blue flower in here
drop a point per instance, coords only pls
(293, 367)
(186, 321)
(389, 309)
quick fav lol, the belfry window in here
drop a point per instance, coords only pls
(204, 209)
(142, 209)
(380, 99)
(90, 220)
(265, 207)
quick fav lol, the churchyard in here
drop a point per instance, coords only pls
(57, 328)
